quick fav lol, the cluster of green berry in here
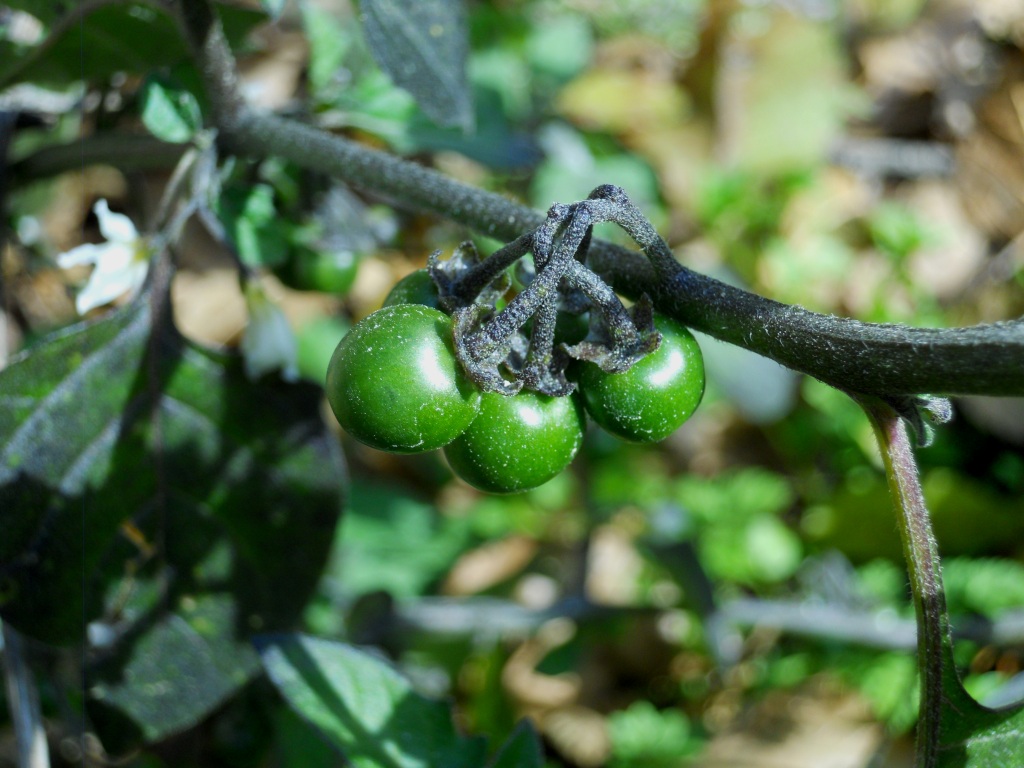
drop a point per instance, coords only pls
(405, 378)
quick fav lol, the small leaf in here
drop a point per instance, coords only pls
(171, 114)
(364, 707)
(522, 750)
(251, 221)
(423, 45)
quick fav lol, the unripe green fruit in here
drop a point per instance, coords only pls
(395, 384)
(518, 442)
(652, 399)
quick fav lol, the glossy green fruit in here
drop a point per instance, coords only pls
(311, 270)
(395, 384)
(652, 399)
(415, 288)
(519, 442)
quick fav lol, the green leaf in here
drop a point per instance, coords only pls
(522, 750)
(987, 586)
(897, 232)
(251, 221)
(645, 736)
(561, 46)
(124, 37)
(147, 488)
(423, 46)
(296, 742)
(328, 43)
(384, 526)
(171, 114)
(185, 665)
(364, 707)
(976, 737)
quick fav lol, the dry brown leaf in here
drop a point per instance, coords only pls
(491, 564)
(798, 731)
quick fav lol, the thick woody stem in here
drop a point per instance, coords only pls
(869, 358)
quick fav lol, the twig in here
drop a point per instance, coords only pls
(934, 641)
(23, 702)
(126, 152)
(7, 121)
(894, 157)
(482, 616)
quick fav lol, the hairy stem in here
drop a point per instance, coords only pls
(934, 643)
(488, 270)
(862, 357)
(124, 151)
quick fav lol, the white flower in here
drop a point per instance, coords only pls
(121, 262)
(268, 343)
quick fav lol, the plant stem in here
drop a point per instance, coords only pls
(23, 701)
(934, 643)
(125, 151)
(863, 357)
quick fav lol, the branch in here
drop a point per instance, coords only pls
(861, 357)
(23, 702)
(830, 622)
(126, 152)
(940, 690)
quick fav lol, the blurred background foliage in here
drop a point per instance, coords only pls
(733, 596)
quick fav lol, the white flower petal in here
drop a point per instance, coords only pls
(117, 272)
(116, 227)
(102, 289)
(120, 264)
(116, 257)
(83, 254)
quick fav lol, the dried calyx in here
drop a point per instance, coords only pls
(503, 351)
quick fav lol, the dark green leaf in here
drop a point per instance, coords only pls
(976, 737)
(522, 750)
(296, 742)
(364, 707)
(423, 46)
(225, 495)
(67, 423)
(130, 37)
(183, 666)
(171, 114)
